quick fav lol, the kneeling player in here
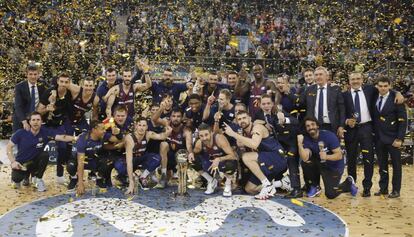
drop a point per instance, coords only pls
(137, 155)
(264, 160)
(216, 156)
(89, 156)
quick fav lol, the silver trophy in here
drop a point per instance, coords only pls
(182, 165)
(321, 146)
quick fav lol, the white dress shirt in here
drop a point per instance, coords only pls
(365, 116)
(384, 99)
(325, 103)
(36, 93)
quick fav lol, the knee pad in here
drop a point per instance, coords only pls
(72, 167)
(229, 167)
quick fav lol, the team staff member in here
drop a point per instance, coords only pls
(31, 157)
(390, 123)
(322, 156)
(26, 97)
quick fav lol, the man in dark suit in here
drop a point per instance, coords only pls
(26, 98)
(325, 102)
(359, 110)
(390, 124)
(359, 104)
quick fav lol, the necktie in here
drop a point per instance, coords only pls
(32, 99)
(357, 107)
(380, 103)
(320, 106)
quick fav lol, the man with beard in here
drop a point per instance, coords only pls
(137, 154)
(259, 87)
(56, 105)
(31, 157)
(215, 155)
(166, 86)
(103, 88)
(322, 156)
(264, 157)
(180, 138)
(124, 94)
(237, 97)
(211, 88)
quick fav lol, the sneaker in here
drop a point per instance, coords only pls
(144, 183)
(266, 192)
(211, 187)
(162, 183)
(175, 175)
(15, 185)
(314, 191)
(72, 184)
(26, 181)
(34, 181)
(227, 191)
(41, 187)
(354, 188)
(60, 180)
(286, 183)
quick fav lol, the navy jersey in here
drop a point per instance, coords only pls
(102, 90)
(227, 116)
(126, 98)
(176, 140)
(28, 145)
(214, 151)
(80, 107)
(91, 148)
(215, 92)
(254, 101)
(63, 107)
(196, 117)
(159, 89)
(330, 141)
(140, 147)
(268, 144)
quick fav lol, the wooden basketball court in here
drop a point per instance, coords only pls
(374, 216)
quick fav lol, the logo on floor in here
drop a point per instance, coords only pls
(158, 213)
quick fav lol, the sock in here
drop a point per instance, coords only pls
(164, 171)
(74, 177)
(265, 182)
(207, 176)
(277, 184)
(145, 174)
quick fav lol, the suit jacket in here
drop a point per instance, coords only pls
(391, 122)
(22, 100)
(336, 108)
(371, 93)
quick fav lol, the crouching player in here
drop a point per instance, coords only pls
(264, 160)
(137, 155)
(215, 155)
(89, 156)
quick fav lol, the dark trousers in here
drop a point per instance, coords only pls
(360, 136)
(331, 178)
(100, 165)
(383, 152)
(35, 167)
(293, 164)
